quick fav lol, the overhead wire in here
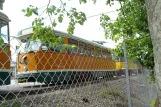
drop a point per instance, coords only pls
(100, 14)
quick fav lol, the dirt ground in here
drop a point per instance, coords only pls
(103, 93)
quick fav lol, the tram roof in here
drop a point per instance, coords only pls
(4, 17)
(28, 31)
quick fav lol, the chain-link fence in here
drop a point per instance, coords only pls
(39, 75)
(143, 92)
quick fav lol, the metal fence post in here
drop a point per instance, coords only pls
(127, 74)
(137, 70)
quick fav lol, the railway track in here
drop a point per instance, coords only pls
(21, 91)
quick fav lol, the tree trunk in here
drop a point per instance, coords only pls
(154, 22)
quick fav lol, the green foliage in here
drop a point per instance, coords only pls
(30, 10)
(15, 104)
(133, 25)
(60, 18)
(153, 103)
(1, 41)
(1, 4)
(151, 78)
(83, 1)
(46, 33)
(74, 16)
(59, 105)
(3, 45)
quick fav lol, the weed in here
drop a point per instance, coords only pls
(59, 105)
(112, 93)
(153, 103)
(73, 98)
(89, 90)
(5, 104)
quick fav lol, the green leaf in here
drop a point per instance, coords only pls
(131, 23)
(54, 23)
(60, 18)
(82, 1)
(94, 1)
(1, 4)
(58, 10)
(75, 14)
(23, 10)
(53, 8)
(108, 2)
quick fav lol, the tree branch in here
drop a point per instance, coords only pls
(46, 8)
(63, 5)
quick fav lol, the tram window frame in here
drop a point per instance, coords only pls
(104, 53)
(98, 52)
(74, 45)
(82, 48)
(90, 50)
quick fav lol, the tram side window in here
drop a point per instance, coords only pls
(4, 30)
(56, 48)
(91, 50)
(109, 55)
(120, 59)
(45, 46)
(104, 53)
(98, 52)
(82, 48)
(74, 45)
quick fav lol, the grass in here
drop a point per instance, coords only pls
(5, 104)
(153, 103)
(89, 91)
(133, 100)
(112, 93)
(73, 98)
(59, 105)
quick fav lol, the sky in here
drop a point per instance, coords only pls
(91, 30)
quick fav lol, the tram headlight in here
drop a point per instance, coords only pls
(23, 60)
(25, 68)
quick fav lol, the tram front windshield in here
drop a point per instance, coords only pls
(4, 31)
(28, 46)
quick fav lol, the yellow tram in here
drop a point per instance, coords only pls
(37, 61)
(5, 53)
(134, 67)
